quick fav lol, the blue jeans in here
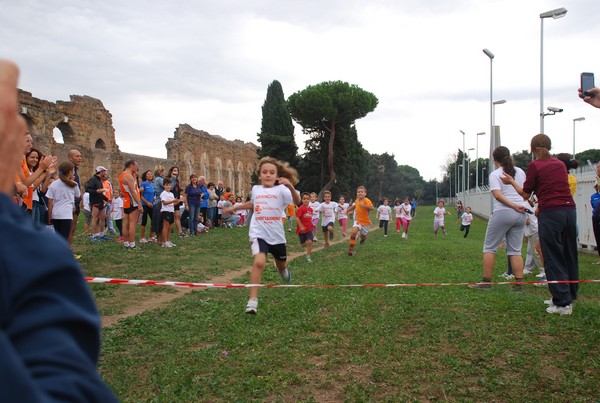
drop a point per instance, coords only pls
(194, 212)
(557, 230)
(233, 220)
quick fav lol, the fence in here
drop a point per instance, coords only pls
(480, 201)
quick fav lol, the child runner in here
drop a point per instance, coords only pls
(241, 212)
(269, 200)
(117, 213)
(167, 213)
(61, 200)
(314, 205)
(467, 217)
(398, 210)
(328, 208)
(362, 206)
(438, 218)
(290, 213)
(343, 215)
(304, 225)
(405, 216)
(383, 213)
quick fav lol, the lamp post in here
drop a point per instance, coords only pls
(477, 159)
(468, 177)
(492, 137)
(575, 120)
(557, 13)
(463, 161)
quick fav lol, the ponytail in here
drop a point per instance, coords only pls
(64, 169)
(502, 155)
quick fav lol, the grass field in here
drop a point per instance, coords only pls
(342, 343)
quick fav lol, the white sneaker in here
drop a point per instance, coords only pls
(541, 274)
(143, 240)
(527, 271)
(167, 245)
(404, 235)
(308, 259)
(562, 310)
(252, 306)
(172, 244)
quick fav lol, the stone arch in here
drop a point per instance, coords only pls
(219, 169)
(240, 178)
(230, 178)
(204, 162)
(100, 144)
(188, 160)
(68, 134)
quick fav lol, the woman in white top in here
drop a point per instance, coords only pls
(61, 200)
(507, 220)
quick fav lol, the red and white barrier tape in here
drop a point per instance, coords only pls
(103, 280)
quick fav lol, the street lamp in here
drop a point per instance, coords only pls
(469, 168)
(575, 120)
(463, 164)
(492, 139)
(477, 158)
(558, 13)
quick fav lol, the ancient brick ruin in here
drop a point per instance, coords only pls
(87, 126)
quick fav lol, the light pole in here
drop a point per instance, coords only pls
(558, 13)
(492, 137)
(469, 168)
(463, 164)
(575, 120)
(477, 159)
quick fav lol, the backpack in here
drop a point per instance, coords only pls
(595, 200)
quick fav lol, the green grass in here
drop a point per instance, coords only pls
(337, 344)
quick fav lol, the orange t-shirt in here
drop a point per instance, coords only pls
(108, 194)
(291, 210)
(28, 200)
(361, 212)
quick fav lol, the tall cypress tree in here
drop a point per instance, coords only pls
(276, 135)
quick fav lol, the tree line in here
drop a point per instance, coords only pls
(334, 159)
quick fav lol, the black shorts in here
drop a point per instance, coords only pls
(326, 227)
(98, 206)
(308, 236)
(278, 251)
(129, 210)
(167, 216)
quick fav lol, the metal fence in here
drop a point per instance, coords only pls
(480, 201)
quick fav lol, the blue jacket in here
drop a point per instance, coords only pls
(49, 326)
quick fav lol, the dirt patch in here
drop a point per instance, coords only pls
(162, 299)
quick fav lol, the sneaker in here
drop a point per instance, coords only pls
(289, 229)
(541, 274)
(153, 239)
(167, 245)
(252, 306)
(286, 275)
(308, 259)
(96, 239)
(542, 284)
(385, 236)
(181, 234)
(171, 243)
(527, 271)
(143, 240)
(403, 235)
(315, 239)
(121, 239)
(504, 275)
(562, 310)
(481, 286)
(77, 257)
(105, 237)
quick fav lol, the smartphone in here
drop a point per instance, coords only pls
(587, 82)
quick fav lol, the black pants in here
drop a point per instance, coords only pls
(63, 228)
(465, 228)
(384, 224)
(156, 226)
(596, 227)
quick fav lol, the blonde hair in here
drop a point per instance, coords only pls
(362, 187)
(284, 170)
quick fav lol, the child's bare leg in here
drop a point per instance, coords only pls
(256, 273)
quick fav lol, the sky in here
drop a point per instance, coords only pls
(157, 64)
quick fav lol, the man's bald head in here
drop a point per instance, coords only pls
(75, 157)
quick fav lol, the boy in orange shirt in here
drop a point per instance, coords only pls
(363, 206)
(290, 212)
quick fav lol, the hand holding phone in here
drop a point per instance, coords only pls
(587, 83)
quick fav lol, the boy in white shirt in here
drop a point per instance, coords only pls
(328, 209)
(167, 213)
(466, 217)
(383, 213)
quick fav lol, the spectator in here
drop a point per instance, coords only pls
(50, 333)
(176, 190)
(117, 213)
(194, 196)
(61, 200)
(97, 199)
(108, 203)
(147, 192)
(229, 219)
(132, 205)
(159, 174)
(74, 157)
(213, 199)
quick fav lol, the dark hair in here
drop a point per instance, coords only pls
(172, 168)
(305, 193)
(567, 159)
(129, 163)
(167, 181)
(210, 184)
(40, 156)
(145, 175)
(63, 169)
(502, 155)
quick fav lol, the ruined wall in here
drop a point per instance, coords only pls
(86, 125)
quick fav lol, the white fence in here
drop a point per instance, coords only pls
(480, 202)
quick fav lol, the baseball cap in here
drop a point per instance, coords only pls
(100, 169)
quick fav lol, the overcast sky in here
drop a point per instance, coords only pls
(157, 64)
